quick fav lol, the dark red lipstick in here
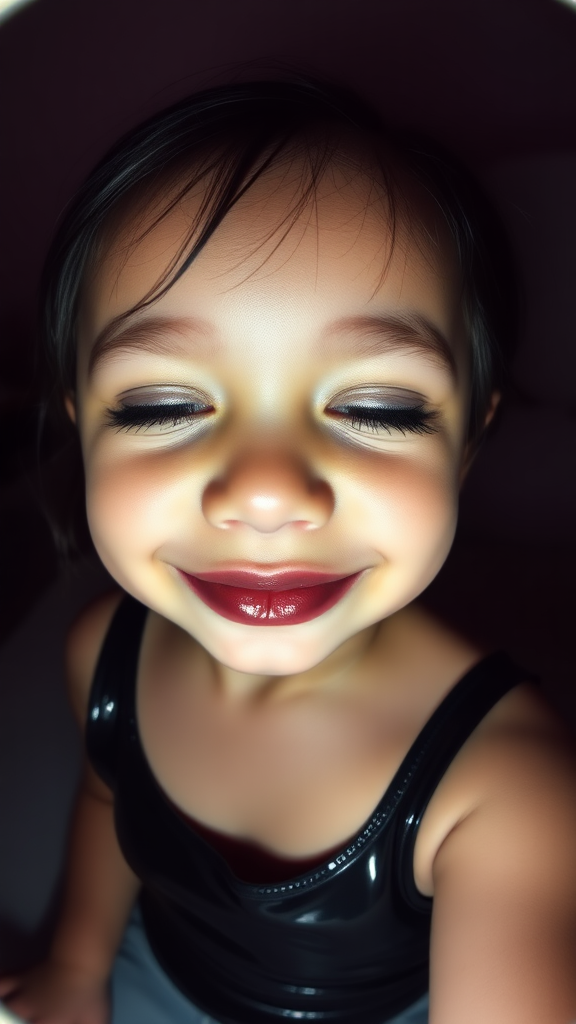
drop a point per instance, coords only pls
(281, 599)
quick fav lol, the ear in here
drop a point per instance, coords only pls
(471, 448)
(494, 403)
(70, 405)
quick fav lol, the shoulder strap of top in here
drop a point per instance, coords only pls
(117, 663)
(444, 734)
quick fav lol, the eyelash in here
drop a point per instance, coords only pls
(404, 420)
(138, 416)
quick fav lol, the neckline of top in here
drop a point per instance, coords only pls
(372, 827)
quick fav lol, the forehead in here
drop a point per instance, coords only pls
(348, 248)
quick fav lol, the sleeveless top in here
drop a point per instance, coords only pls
(346, 941)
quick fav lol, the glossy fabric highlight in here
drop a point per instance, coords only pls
(347, 941)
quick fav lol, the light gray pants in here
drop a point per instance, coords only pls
(143, 994)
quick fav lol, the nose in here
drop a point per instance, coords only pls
(267, 492)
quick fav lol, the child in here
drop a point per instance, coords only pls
(276, 328)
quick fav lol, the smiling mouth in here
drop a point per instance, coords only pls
(285, 599)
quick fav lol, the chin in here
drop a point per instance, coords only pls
(269, 655)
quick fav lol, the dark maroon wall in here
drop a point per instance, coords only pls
(492, 78)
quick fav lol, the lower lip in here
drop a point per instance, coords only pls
(270, 607)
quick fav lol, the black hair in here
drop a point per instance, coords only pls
(229, 137)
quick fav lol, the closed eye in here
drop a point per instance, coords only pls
(164, 414)
(387, 419)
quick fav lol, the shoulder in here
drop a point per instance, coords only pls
(520, 753)
(503, 875)
(518, 763)
(509, 794)
(83, 644)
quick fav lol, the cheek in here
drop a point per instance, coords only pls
(410, 508)
(127, 505)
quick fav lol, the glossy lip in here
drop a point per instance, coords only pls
(279, 599)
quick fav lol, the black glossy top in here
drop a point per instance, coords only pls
(346, 942)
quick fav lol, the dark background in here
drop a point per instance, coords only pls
(494, 80)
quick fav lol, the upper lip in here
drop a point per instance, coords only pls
(276, 579)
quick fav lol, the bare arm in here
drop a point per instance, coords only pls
(100, 887)
(71, 986)
(504, 920)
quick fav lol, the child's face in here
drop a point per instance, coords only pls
(269, 467)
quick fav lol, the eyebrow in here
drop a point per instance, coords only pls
(401, 331)
(155, 334)
(365, 335)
